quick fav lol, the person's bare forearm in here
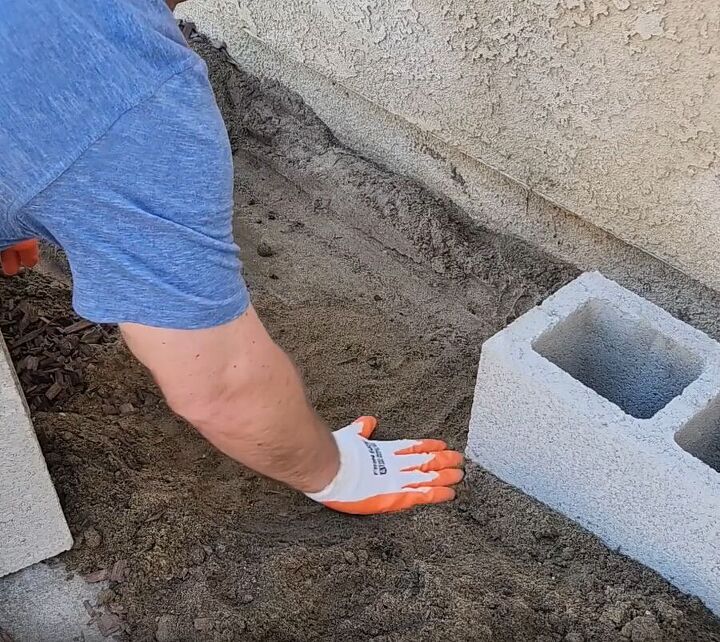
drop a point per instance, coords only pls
(265, 422)
(244, 396)
(242, 392)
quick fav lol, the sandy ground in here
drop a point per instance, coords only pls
(383, 294)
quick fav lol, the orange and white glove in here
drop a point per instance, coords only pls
(23, 254)
(387, 476)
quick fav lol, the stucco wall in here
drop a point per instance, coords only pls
(609, 108)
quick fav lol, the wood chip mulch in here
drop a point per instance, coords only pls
(50, 353)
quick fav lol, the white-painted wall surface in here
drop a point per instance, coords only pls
(608, 108)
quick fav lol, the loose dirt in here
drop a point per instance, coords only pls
(384, 295)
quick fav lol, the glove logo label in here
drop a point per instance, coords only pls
(378, 462)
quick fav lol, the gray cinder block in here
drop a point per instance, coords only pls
(32, 525)
(606, 408)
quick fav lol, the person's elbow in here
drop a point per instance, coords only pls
(212, 404)
(216, 378)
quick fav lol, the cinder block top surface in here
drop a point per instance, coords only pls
(617, 358)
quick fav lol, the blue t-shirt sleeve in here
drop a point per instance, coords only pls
(145, 214)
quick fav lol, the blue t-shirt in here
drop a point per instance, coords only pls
(112, 146)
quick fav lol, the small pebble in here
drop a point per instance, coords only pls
(668, 613)
(203, 624)
(643, 628)
(617, 614)
(127, 409)
(197, 555)
(264, 249)
(92, 538)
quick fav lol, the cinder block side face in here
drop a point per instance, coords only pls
(607, 409)
(32, 525)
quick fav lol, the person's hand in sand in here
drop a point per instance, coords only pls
(388, 476)
(241, 391)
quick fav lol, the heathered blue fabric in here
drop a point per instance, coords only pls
(112, 146)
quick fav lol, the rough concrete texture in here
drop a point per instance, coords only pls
(44, 603)
(32, 525)
(610, 109)
(614, 422)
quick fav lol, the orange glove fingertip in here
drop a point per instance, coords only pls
(23, 254)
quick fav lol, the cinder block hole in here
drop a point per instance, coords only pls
(701, 436)
(626, 361)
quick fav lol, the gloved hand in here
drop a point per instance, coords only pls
(23, 254)
(388, 476)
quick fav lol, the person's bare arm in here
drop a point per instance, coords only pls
(243, 394)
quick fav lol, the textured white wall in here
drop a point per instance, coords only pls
(609, 108)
